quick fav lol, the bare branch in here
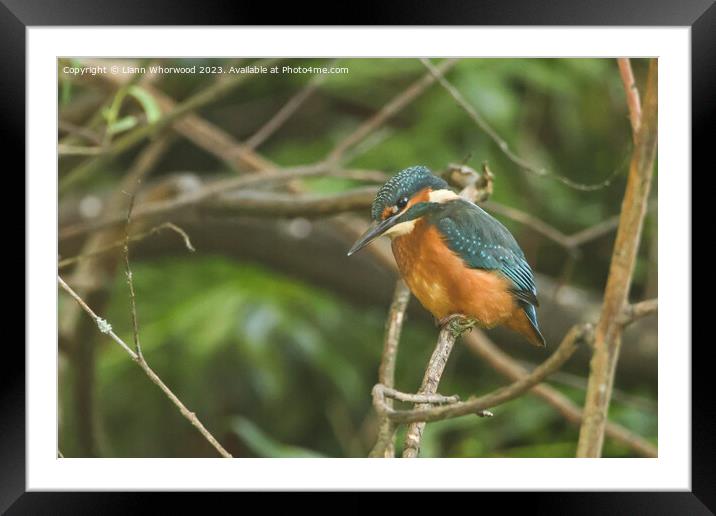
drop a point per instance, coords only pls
(106, 328)
(385, 444)
(632, 94)
(480, 344)
(283, 114)
(389, 110)
(273, 204)
(502, 144)
(475, 405)
(385, 394)
(608, 332)
(636, 311)
(130, 282)
(224, 187)
(133, 238)
(431, 380)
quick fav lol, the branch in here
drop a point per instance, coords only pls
(608, 332)
(133, 238)
(396, 104)
(636, 311)
(106, 328)
(283, 114)
(632, 94)
(502, 144)
(385, 444)
(270, 204)
(258, 201)
(477, 405)
(479, 343)
(431, 380)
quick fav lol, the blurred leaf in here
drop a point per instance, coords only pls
(149, 103)
(264, 446)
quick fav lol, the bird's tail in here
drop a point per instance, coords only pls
(524, 322)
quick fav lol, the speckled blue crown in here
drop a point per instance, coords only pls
(405, 183)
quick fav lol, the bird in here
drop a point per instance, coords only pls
(456, 259)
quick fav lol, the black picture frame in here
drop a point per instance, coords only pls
(700, 15)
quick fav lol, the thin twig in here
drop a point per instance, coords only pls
(385, 444)
(608, 332)
(283, 114)
(632, 313)
(386, 394)
(130, 282)
(503, 145)
(134, 238)
(396, 104)
(106, 328)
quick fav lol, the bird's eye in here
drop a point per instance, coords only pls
(402, 203)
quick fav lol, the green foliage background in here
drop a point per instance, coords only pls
(276, 367)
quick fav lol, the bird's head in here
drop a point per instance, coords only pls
(400, 202)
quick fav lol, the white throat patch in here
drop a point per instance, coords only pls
(401, 229)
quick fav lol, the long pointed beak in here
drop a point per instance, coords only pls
(374, 231)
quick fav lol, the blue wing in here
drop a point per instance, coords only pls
(484, 243)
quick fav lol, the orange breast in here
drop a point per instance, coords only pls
(444, 285)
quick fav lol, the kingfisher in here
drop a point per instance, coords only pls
(458, 260)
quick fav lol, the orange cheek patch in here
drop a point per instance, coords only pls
(422, 196)
(387, 212)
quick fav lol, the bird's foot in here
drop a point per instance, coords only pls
(457, 324)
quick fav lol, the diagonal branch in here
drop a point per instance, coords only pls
(477, 405)
(502, 143)
(106, 328)
(389, 110)
(283, 114)
(478, 342)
